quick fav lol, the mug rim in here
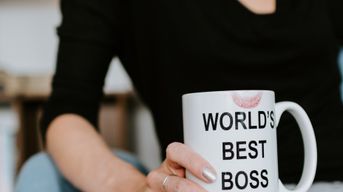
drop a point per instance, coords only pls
(228, 91)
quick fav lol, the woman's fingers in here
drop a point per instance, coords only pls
(180, 156)
(173, 168)
(160, 181)
(170, 177)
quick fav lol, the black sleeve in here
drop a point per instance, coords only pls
(336, 16)
(88, 42)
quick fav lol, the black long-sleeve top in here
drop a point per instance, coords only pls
(172, 47)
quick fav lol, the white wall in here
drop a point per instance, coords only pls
(8, 128)
(27, 36)
(28, 41)
(147, 146)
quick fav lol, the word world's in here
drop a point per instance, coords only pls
(226, 120)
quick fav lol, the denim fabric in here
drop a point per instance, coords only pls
(40, 174)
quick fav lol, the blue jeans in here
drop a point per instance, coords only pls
(40, 174)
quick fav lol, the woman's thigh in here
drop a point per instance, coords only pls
(40, 174)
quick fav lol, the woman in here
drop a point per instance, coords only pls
(174, 47)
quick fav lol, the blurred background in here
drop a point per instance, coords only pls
(28, 45)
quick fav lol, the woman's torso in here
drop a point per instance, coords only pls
(174, 47)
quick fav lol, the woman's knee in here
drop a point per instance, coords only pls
(39, 173)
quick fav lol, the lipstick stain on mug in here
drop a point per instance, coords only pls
(247, 102)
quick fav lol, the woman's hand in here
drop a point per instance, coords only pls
(170, 176)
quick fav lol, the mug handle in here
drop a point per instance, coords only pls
(310, 145)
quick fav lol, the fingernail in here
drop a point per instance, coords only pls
(209, 174)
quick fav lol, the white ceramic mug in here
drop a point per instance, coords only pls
(236, 132)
